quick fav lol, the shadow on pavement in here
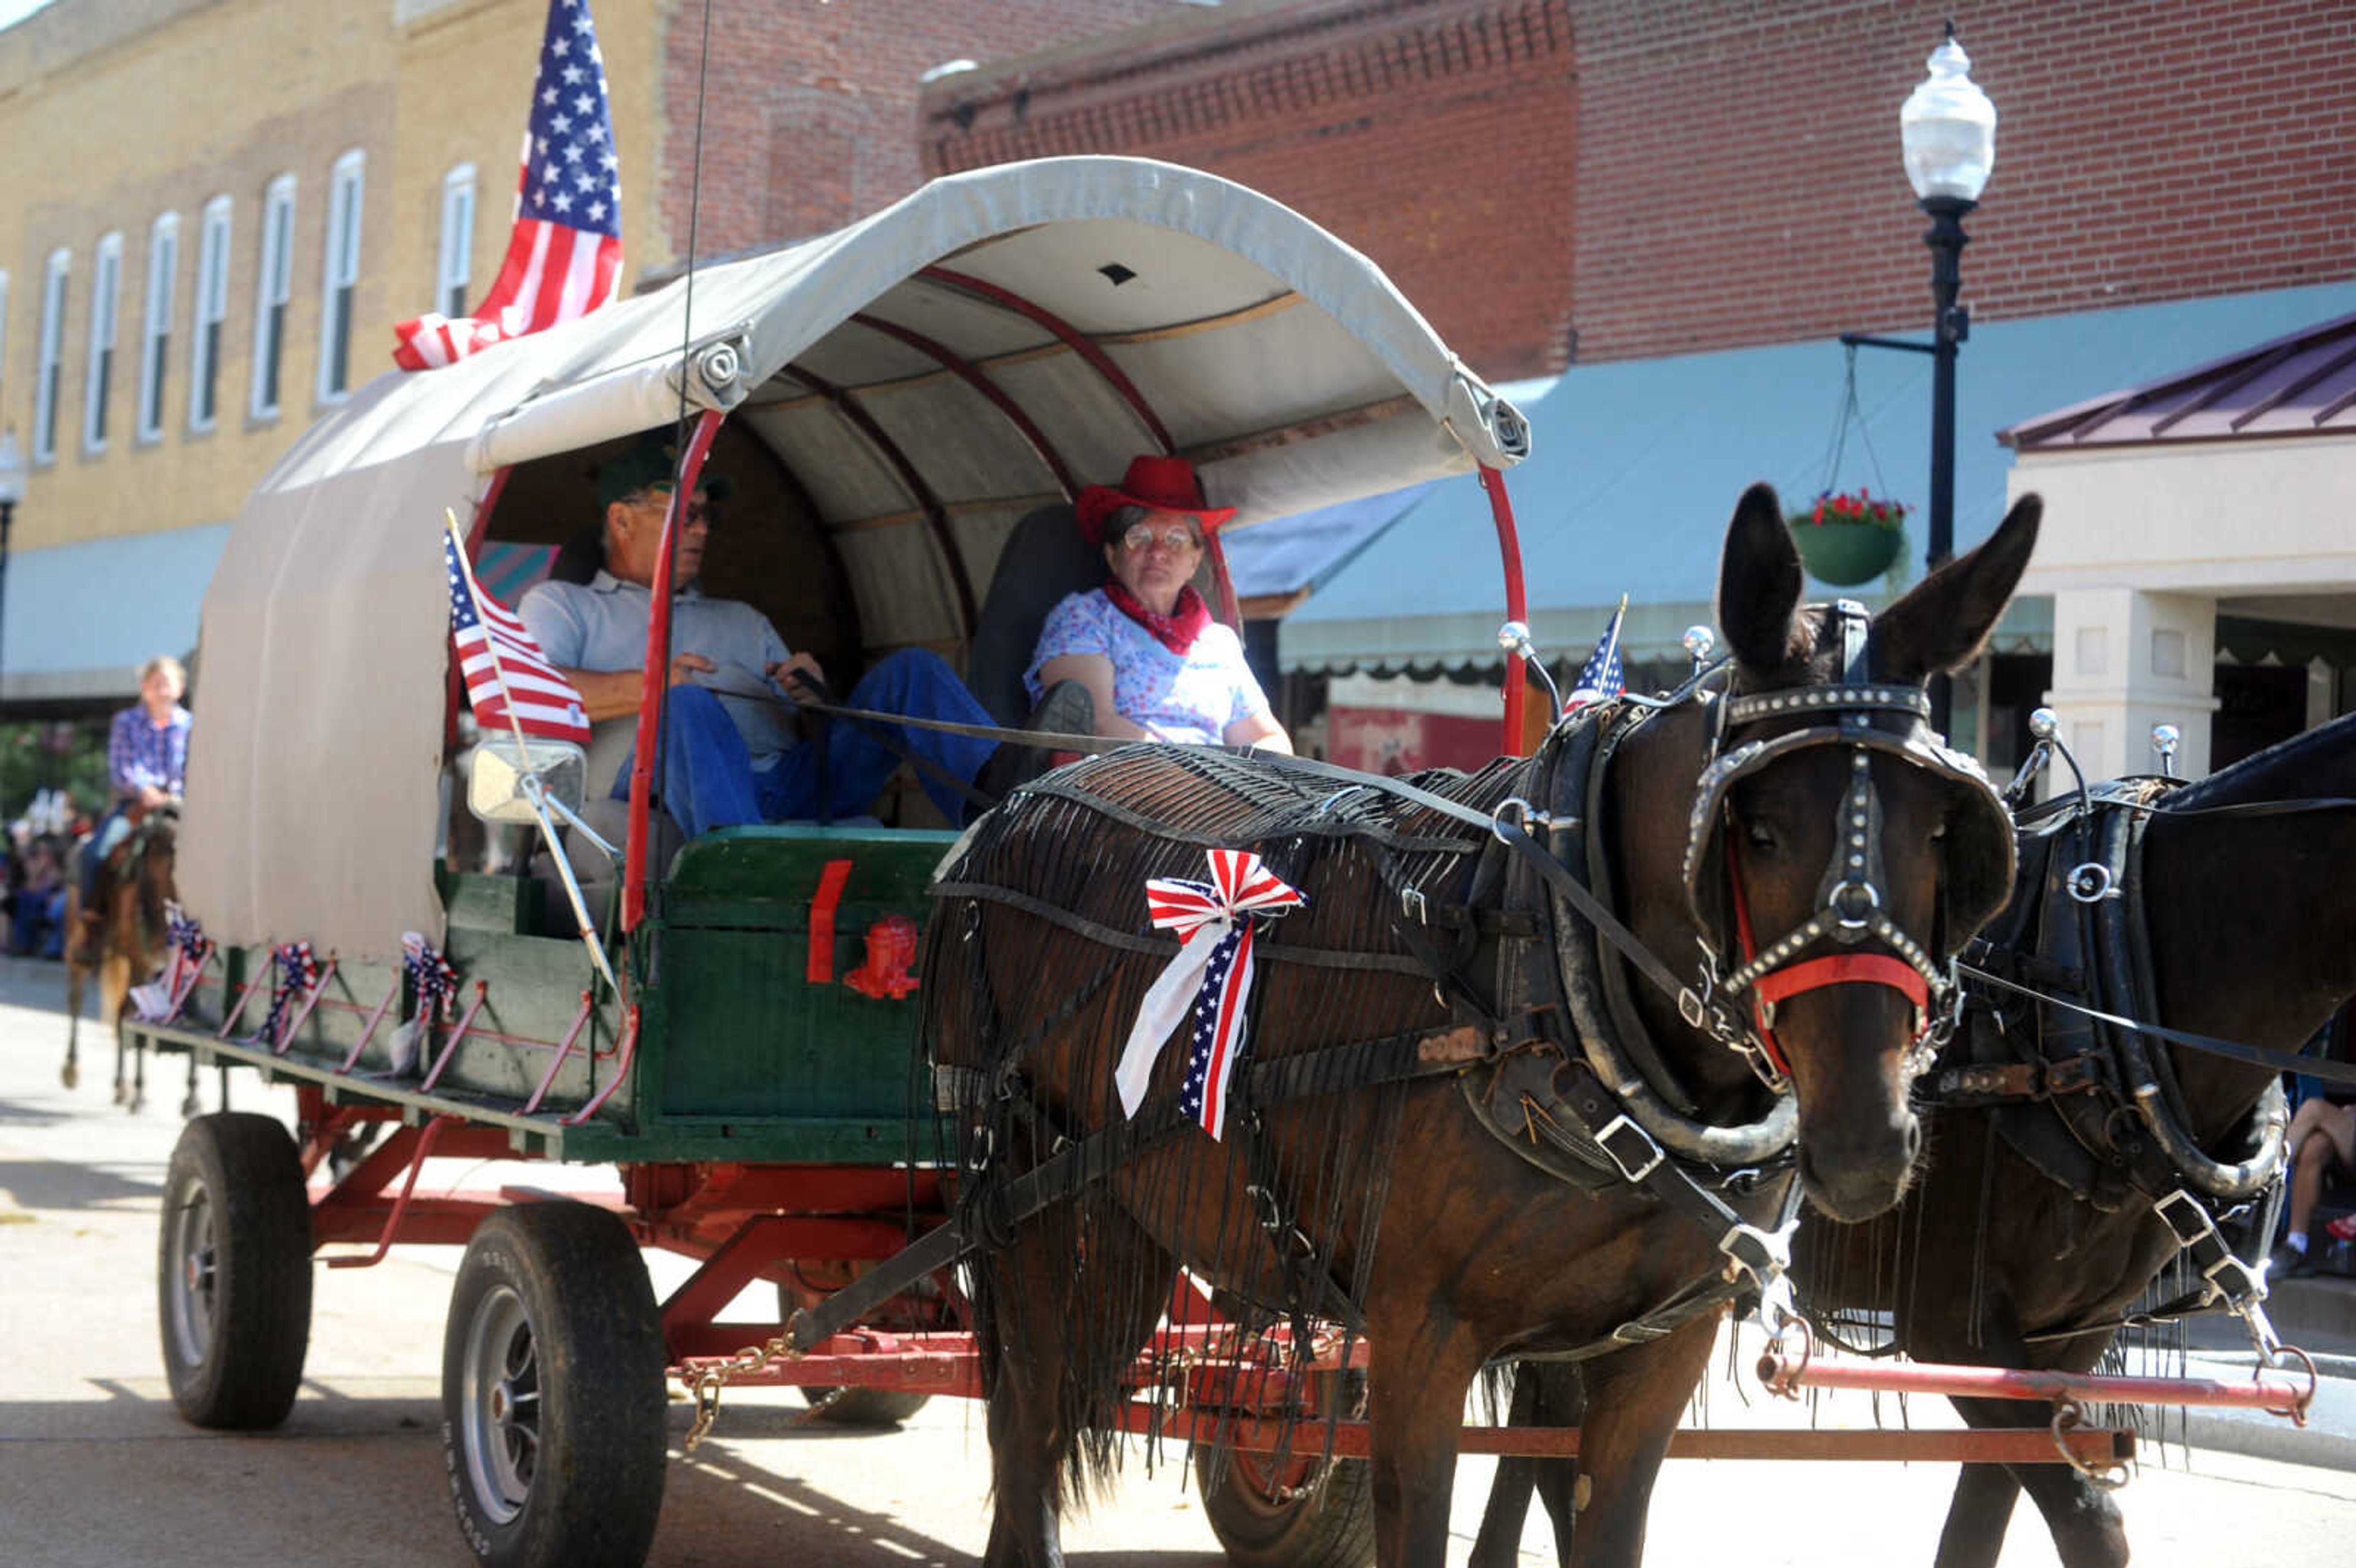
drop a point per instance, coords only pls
(49, 1184)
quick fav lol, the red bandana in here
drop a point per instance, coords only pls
(1176, 631)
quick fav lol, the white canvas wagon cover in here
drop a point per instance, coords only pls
(1113, 306)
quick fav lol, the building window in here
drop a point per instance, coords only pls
(155, 331)
(341, 273)
(211, 308)
(456, 270)
(105, 290)
(53, 353)
(272, 276)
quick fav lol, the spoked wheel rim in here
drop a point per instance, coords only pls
(499, 1408)
(1270, 1488)
(196, 1277)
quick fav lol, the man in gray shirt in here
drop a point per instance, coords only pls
(728, 753)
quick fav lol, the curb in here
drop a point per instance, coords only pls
(2271, 1437)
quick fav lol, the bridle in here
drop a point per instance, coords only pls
(1866, 717)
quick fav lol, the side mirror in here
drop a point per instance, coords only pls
(504, 776)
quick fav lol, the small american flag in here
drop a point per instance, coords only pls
(1604, 680)
(565, 258)
(493, 646)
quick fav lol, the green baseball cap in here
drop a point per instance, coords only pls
(649, 461)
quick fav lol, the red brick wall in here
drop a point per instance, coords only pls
(1733, 169)
(1416, 130)
(1738, 177)
(810, 110)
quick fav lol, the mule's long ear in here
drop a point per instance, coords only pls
(1943, 620)
(1759, 584)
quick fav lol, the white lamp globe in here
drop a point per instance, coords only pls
(12, 469)
(1948, 128)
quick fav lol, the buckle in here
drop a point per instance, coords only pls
(1413, 907)
(2185, 1215)
(1630, 1171)
(1763, 1255)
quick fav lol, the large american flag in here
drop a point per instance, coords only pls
(565, 258)
(492, 645)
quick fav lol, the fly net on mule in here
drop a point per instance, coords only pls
(1037, 958)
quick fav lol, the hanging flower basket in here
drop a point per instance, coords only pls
(1846, 539)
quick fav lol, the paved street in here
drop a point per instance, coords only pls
(96, 1470)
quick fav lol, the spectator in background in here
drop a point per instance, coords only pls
(2322, 1135)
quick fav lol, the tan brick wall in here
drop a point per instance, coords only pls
(114, 111)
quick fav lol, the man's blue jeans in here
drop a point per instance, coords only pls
(708, 780)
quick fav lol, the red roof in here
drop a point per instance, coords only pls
(2304, 384)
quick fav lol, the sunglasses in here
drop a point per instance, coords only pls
(1176, 536)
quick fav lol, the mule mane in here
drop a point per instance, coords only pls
(2321, 761)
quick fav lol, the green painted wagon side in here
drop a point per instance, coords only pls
(741, 1043)
(743, 1052)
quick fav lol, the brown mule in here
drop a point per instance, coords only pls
(1035, 972)
(120, 939)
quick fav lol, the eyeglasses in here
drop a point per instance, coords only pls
(698, 512)
(1174, 538)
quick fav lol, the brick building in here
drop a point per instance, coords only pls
(214, 211)
(1559, 180)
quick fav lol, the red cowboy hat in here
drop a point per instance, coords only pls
(1157, 484)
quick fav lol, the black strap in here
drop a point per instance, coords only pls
(1511, 834)
(1359, 1065)
(2233, 1050)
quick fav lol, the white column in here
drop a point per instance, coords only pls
(2124, 660)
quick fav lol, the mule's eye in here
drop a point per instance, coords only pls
(1759, 835)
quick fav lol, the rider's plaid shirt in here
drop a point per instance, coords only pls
(141, 753)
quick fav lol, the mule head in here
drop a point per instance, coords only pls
(1840, 854)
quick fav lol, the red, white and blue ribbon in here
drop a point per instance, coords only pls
(159, 1000)
(298, 971)
(1211, 976)
(431, 980)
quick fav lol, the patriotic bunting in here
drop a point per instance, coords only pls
(1212, 975)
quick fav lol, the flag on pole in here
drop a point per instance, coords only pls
(1604, 680)
(565, 258)
(500, 660)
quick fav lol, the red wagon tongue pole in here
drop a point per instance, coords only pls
(1787, 1373)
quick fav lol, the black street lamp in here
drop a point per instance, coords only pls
(1948, 129)
(12, 490)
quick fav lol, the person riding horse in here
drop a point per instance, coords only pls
(147, 765)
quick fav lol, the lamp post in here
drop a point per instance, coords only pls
(12, 490)
(1948, 129)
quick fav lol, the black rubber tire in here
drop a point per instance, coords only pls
(863, 1406)
(233, 1272)
(1334, 1527)
(556, 1294)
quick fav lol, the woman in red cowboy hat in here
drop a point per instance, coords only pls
(1143, 648)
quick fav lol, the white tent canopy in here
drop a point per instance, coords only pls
(1110, 306)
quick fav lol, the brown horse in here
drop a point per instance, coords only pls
(2243, 896)
(1415, 931)
(126, 941)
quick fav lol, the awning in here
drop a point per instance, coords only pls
(81, 618)
(1636, 466)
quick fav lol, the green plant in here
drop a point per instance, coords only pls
(1842, 507)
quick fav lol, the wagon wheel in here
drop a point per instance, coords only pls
(1300, 1513)
(233, 1272)
(553, 1413)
